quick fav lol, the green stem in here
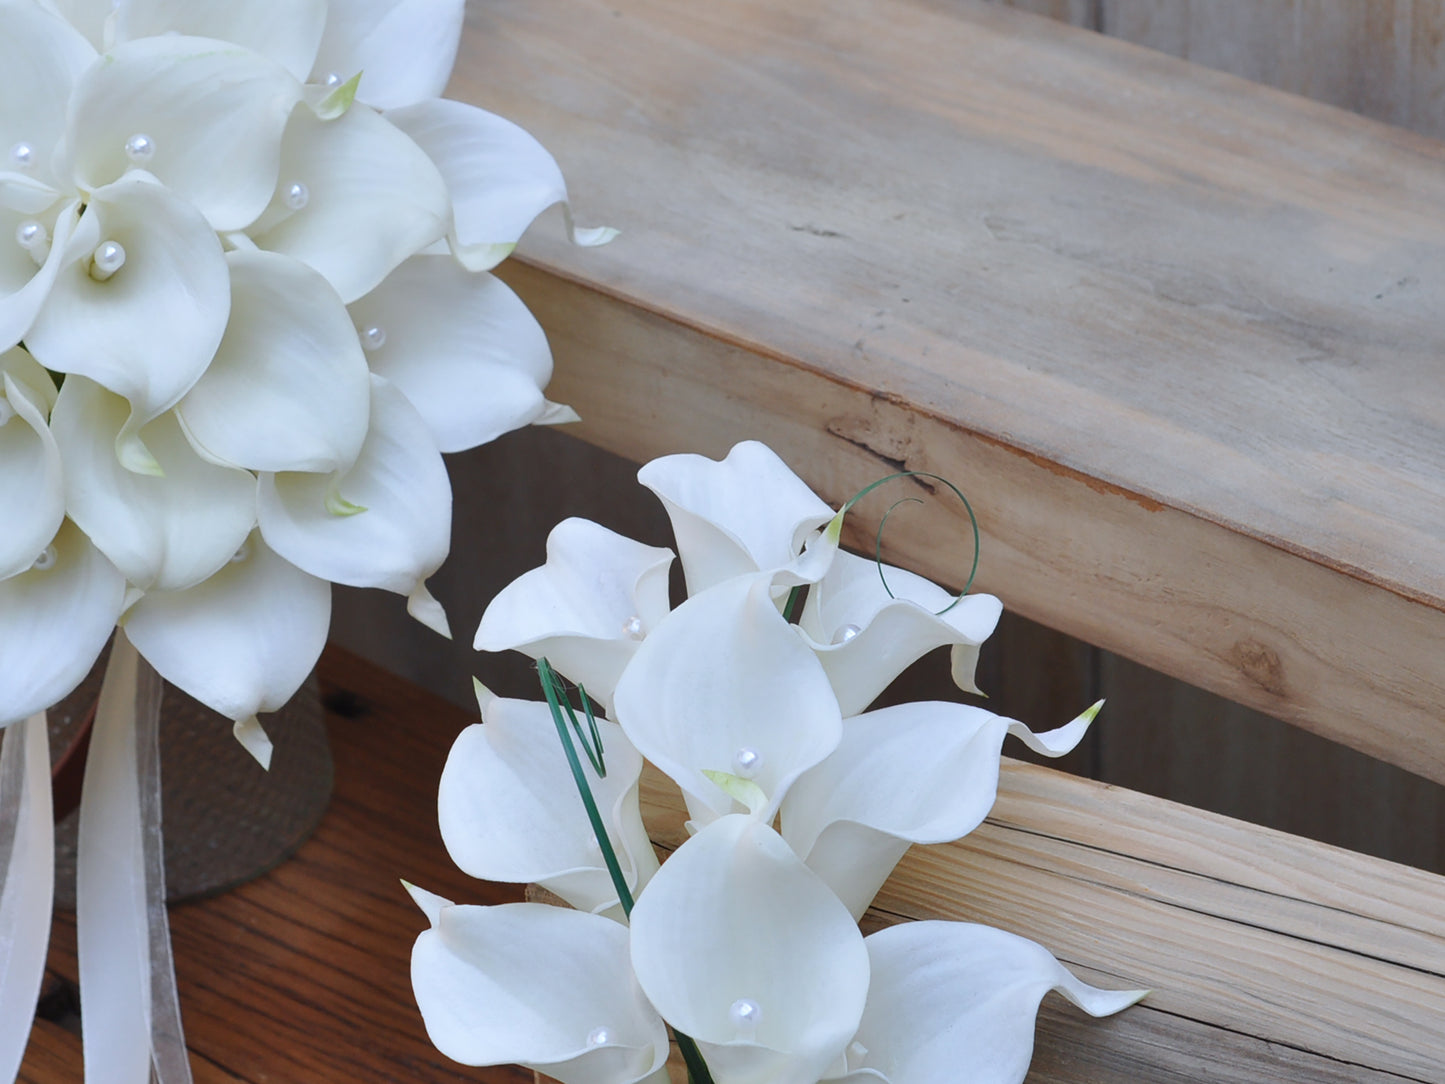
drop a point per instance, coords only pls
(697, 1070)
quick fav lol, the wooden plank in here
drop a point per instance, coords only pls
(1265, 953)
(1177, 335)
(1380, 58)
(1169, 739)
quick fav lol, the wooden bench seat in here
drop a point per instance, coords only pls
(1178, 336)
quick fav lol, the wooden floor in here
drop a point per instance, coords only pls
(1271, 958)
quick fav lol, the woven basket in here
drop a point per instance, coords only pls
(224, 819)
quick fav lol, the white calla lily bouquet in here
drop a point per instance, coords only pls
(244, 307)
(752, 696)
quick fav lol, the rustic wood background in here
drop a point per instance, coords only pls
(1382, 58)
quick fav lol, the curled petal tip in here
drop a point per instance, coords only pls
(739, 789)
(592, 237)
(556, 414)
(426, 609)
(484, 695)
(430, 903)
(253, 739)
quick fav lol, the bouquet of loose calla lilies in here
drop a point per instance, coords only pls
(244, 307)
(752, 696)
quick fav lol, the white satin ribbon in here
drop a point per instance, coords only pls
(27, 857)
(130, 1022)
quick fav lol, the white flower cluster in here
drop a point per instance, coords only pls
(801, 803)
(244, 305)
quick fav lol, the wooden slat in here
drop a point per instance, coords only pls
(1177, 336)
(1381, 58)
(1269, 957)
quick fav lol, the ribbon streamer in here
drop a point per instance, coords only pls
(27, 856)
(130, 1021)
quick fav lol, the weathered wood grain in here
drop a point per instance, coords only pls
(1267, 955)
(1381, 58)
(1178, 335)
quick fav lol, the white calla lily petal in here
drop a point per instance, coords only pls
(405, 48)
(288, 388)
(922, 772)
(90, 17)
(587, 609)
(511, 770)
(31, 483)
(199, 102)
(957, 1001)
(287, 31)
(54, 621)
(148, 330)
(402, 533)
(542, 986)
(500, 178)
(24, 286)
(166, 531)
(372, 199)
(41, 57)
(914, 773)
(461, 346)
(741, 946)
(741, 514)
(724, 684)
(241, 642)
(866, 638)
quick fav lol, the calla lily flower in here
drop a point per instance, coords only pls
(55, 618)
(541, 986)
(384, 522)
(865, 636)
(460, 345)
(957, 1001)
(741, 946)
(287, 31)
(725, 685)
(242, 641)
(406, 48)
(169, 530)
(511, 769)
(287, 388)
(913, 773)
(587, 609)
(499, 176)
(149, 328)
(746, 513)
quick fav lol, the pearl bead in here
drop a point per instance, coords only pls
(108, 258)
(599, 1037)
(332, 79)
(297, 195)
(373, 338)
(22, 155)
(747, 761)
(46, 560)
(140, 148)
(632, 628)
(846, 633)
(745, 1014)
(242, 552)
(30, 234)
